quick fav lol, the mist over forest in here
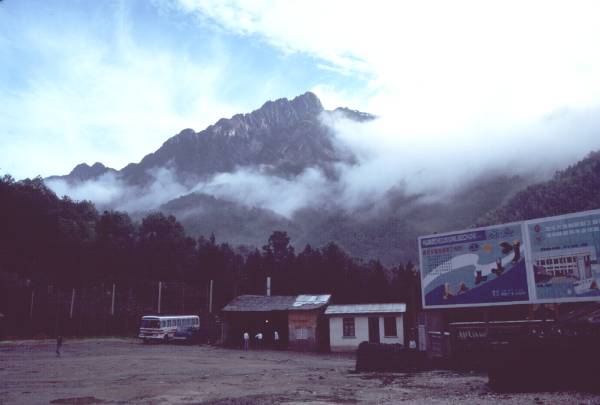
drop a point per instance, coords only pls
(57, 241)
(333, 175)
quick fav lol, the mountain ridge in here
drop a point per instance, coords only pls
(285, 134)
(279, 142)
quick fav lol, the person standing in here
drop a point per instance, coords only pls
(246, 340)
(59, 342)
(276, 339)
(259, 338)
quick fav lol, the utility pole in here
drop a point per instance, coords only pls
(112, 306)
(72, 303)
(210, 297)
(183, 298)
(31, 306)
(57, 302)
(159, 294)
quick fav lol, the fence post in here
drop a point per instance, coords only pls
(183, 298)
(72, 304)
(159, 294)
(31, 306)
(112, 306)
(210, 297)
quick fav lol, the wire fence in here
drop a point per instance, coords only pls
(28, 310)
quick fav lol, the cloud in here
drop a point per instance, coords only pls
(102, 191)
(462, 89)
(439, 64)
(248, 186)
(110, 192)
(435, 164)
(253, 188)
(390, 159)
(99, 90)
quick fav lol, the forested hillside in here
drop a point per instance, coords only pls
(66, 243)
(576, 188)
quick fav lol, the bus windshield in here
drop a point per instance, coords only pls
(150, 323)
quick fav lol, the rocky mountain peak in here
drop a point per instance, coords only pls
(280, 113)
(354, 114)
(304, 104)
(83, 171)
(285, 135)
(308, 102)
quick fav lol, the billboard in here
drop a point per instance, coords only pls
(475, 267)
(564, 257)
(537, 261)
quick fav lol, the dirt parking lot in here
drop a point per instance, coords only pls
(124, 371)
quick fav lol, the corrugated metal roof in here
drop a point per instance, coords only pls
(264, 303)
(304, 302)
(365, 309)
(260, 303)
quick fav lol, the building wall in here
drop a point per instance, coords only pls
(339, 343)
(303, 329)
(236, 323)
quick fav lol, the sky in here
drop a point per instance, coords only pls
(463, 82)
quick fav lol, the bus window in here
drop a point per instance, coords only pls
(150, 323)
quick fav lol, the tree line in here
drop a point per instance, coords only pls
(68, 243)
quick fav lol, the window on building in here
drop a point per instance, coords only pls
(389, 326)
(349, 327)
(301, 333)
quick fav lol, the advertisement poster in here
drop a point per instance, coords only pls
(477, 267)
(564, 257)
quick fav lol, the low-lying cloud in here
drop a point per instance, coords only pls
(433, 163)
(108, 191)
(389, 157)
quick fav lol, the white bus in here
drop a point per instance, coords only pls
(163, 328)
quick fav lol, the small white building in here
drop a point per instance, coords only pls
(350, 325)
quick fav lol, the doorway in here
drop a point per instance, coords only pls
(374, 330)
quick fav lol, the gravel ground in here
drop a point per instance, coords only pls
(124, 371)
